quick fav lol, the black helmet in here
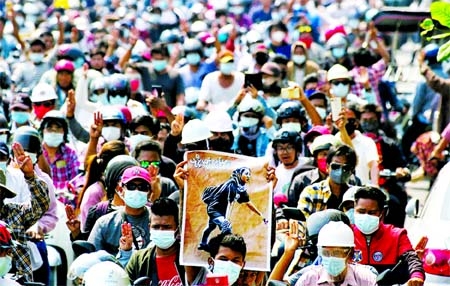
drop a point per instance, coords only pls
(286, 136)
(290, 109)
(118, 84)
(55, 116)
(29, 138)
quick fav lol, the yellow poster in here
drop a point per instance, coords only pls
(64, 4)
(226, 193)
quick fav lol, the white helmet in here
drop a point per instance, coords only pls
(349, 195)
(323, 142)
(338, 72)
(43, 92)
(336, 233)
(106, 273)
(337, 40)
(194, 131)
(219, 121)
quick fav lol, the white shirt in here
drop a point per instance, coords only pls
(366, 150)
(212, 92)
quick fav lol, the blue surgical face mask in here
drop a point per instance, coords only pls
(5, 265)
(135, 199)
(103, 99)
(248, 121)
(78, 63)
(340, 90)
(36, 57)
(193, 58)
(53, 139)
(334, 265)
(209, 51)
(222, 37)
(232, 270)
(118, 100)
(227, 68)
(20, 117)
(292, 126)
(339, 176)
(338, 52)
(163, 239)
(322, 112)
(351, 215)
(159, 65)
(366, 223)
(274, 101)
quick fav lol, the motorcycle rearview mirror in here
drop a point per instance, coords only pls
(412, 208)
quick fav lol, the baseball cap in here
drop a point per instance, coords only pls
(42, 92)
(226, 56)
(135, 172)
(20, 100)
(349, 195)
(316, 130)
(323, 142)
(5, 236)
(272, 69)
(4, 149)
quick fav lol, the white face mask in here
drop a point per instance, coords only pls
(248, 121)
(53, 139)
(278, 36)
(274, 101)
(111, 133)
(340, 90)
(36, 57)
(292, 126)
(33, 157)
(322, 112)
(227, 68)
(232, 270)
(299, 59)
(163, 239)
(366, 223)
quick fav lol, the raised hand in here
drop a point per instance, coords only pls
(292, 240)
(181, 174)
(22, 160)
(155, 183)
(97, 126)
(177, 125)
(71, 103)
(73, 224)
(126, 240)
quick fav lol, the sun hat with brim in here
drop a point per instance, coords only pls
(7, 192)
(226, 56)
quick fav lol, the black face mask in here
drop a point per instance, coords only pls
(220, 144)
(273, 88)
(261, 58)
(350, 126)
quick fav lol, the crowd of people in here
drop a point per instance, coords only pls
(100, 100)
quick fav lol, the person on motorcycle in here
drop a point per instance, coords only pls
(335, 245)
(327, 194)
(371, 235)
(6, 260)
(62, 158)
(391, 160)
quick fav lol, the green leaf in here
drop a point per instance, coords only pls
(427, 24)
(444, 52)
(440, 11)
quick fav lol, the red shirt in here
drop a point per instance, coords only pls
(167, 271)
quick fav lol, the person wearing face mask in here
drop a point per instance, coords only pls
(271, 79)
(348, 203)
(337, 44)
(300, 65)
(320, 102)
(335, 245)
(327, 194)
(135, 191)
(64, 80)
(252, 138)
(367, 167)
(195, 70)
(221, 126)
(43, 98)
(63, 160)
(6, 259)
(371, 235)
(28, 73)
(159, 261)
(161, 73)
(340, 81)
(20, 111)
(278, 34)
(219, 88)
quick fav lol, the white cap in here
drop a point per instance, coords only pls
(219, 121)
(194, 131)
(106, 273)
(323, 142)
(338, 72)
(42, 92)
(349, 195)
(336, 233)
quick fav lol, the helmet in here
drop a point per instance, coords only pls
(199, 26)
(192, 45)
(106, 273)
(112, 113)
(98, 83)
(251, 105)
(194, 131)
(188, 112)
(337, 40)
(69, 52)
(42, 92)
(253, 37)
(338, 72)
(286, 136)
(29, 138)
(318, 219)
(119, 84)
(55, 116)
(349, 195)
(323, 142)
(64, 65)
(290, 109)
(169, 36)
(219, 121)
(336, 233)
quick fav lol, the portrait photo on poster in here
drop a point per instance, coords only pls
(226, 193)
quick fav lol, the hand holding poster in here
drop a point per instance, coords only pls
(226, 193)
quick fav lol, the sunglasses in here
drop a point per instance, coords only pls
(339, 82)
(143, 187)
(44, 103)
(345, 167)
(145, 164)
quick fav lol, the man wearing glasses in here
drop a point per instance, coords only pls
(327, 194)
(135, 190)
